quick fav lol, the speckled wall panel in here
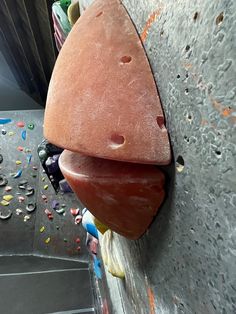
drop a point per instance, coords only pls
(62, 230)
(187, 258)
(16, 235)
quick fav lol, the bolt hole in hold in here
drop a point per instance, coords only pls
(179, 163)
(117, 141)
(220, 18)
(186, 91)
(160, 122)
(125, 59)
(196, 14)
(178, 76)
(99, 14)
(218, 153)
(162, 33)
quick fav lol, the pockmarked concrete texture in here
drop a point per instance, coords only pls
(186, 261)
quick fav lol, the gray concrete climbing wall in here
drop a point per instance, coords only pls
(28, 233)
(186, 261)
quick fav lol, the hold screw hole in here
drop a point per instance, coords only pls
(99, 14)
(179, 163)
(117, 140)
(125, 59)
(196, 14)
(186, 91)
(220, 18)
(162, 33)
(218, 153)
(160, 122)
(178, 76)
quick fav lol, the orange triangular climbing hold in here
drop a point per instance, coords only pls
(102, 99)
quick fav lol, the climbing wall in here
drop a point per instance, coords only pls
(26, 194)
(186, 261)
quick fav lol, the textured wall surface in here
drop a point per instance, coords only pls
(24, 237)
(186, 261)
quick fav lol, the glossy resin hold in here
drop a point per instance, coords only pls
(102, 99)
(123, 196)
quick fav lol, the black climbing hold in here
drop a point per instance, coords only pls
(3, 180)
(1, 158)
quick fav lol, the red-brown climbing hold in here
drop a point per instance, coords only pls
(123, 196)
(109, 109)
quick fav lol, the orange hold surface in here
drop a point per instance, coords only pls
(123, 196)
(102, 99)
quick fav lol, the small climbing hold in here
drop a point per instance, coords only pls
(78, 219)
(8, 188)
(49, 214)
(29, 157)
(34, 175)
(110, 255)
(23, 135)
(27, 150)
(55, 204)
(30, 191)
(97, 267)
(57, 227)
(20, 124)
(42, 229)
(20, 148)
(65, 240)
(47, 240)
(47, 211)
(3, 180)
(11, 133)
(19, 211)
(30, 126)
(44, 197)
(4, 132)
(8, 197)
(18, 174)
(26, 218)
(4, 203)
(78, 248)
(7, 216)
(42, 154)
(77, 240)
(74, 211)
(21, 199)
(45, 187)
(18, 162)
(31, 207)
(35, 167)
(43, 179)
(4, 121)
(60, 211)
(1, 158)
(22, 184)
